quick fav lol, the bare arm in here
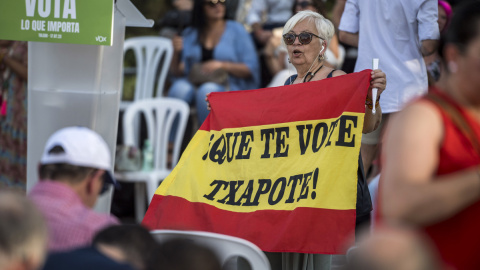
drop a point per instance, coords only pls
(260, 34)
(429, 46)
(379, 81)
(410, 191)
(337, 12)
(372, 121)
(348, 38)
(275, 62)
(16, 66)
(176, 65)
(239, 70)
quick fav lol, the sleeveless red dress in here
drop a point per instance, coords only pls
(458, 238)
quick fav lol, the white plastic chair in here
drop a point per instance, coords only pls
(159, 114)
(148, 51)
(224, 246)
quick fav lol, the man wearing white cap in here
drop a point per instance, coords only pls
(74, 170)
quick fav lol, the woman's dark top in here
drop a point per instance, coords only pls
(364, 202)
(207, 54)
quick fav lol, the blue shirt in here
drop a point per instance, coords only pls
(235, 45)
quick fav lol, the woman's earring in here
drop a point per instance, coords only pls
(452, 67)
(289, 60)
(321, 57)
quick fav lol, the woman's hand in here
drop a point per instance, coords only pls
(211, 66)
(208, 102)
(379, 81)
(371, 121)
(177, 42)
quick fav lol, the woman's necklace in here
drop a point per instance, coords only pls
(311, 74)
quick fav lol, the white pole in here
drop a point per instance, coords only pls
(374, 90)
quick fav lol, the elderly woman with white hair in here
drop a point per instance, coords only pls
(306, 36)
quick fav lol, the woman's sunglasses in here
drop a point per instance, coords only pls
(213, 3)
(304, 38)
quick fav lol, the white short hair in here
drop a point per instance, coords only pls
(23, 231)
(324, 26)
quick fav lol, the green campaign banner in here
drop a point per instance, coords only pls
(58, 21)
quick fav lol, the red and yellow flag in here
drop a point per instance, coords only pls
(275, 166)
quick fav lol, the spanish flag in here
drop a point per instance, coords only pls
(275, 166)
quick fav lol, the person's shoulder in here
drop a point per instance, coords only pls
(337, 72)
(96, 221)
(420, 112)
(189, 31)
(291, 79)
(334, 73)
(421, 105)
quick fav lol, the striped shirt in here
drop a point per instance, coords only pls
(71, 224)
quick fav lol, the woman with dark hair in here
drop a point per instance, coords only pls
(213, 48)
(431, 155)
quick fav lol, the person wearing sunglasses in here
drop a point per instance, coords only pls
(276, 55)
(306, 36)
(74, 170)
(335, 52)
(212, 45)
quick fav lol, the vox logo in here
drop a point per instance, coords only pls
(101, 39)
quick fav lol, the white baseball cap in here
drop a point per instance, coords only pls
(82, 147)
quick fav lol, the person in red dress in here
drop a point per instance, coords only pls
(431, 175)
